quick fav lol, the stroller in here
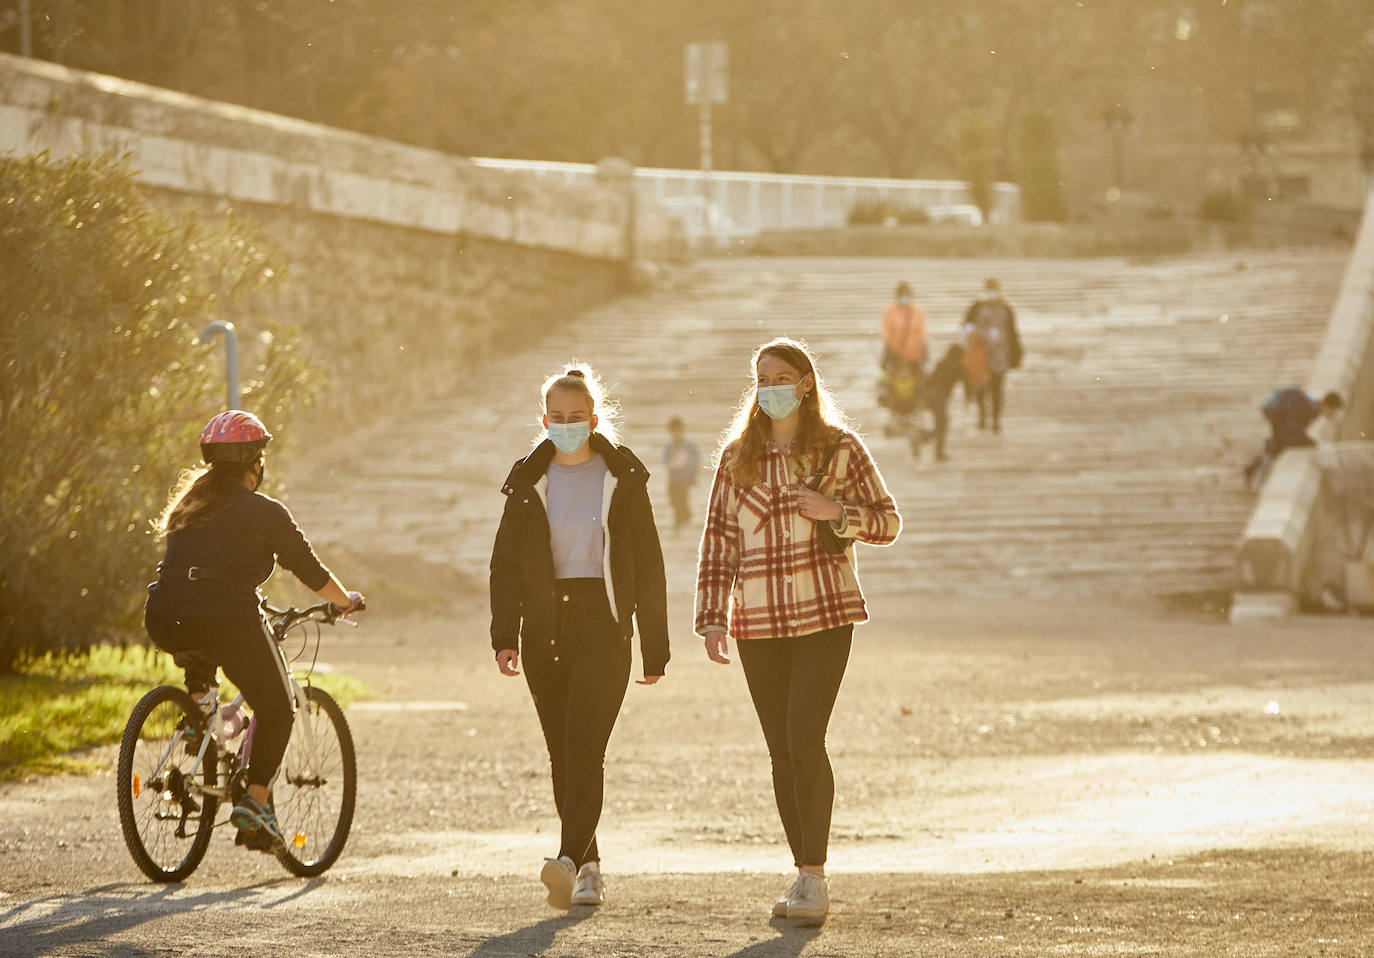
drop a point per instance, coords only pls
(899, 391)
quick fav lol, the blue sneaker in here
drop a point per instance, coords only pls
(257, 824)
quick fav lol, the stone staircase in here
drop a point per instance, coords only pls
(1117, 472)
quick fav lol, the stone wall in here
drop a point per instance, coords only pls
(1284, 557)
(404, 265)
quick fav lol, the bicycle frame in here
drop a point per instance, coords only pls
(286, 620)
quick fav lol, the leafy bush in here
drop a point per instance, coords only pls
(104, 387)
(1226, 206)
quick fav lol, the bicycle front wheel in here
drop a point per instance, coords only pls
(316, 789)
(165, 817)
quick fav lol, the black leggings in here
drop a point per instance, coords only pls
(578, 684)
(246, 651)
(793, 683)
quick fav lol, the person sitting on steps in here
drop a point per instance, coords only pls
(1290, 412)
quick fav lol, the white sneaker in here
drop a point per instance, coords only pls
(590, 888)
(558, 876)
(780, 906)
(812, 900)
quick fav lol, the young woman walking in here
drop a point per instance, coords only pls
(765, 576)
(223, 540)
(576, 560)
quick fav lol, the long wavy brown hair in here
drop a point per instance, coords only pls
(200, 494)
(745, 443)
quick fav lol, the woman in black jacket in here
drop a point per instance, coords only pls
(576, 558)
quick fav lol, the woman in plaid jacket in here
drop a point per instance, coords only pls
(765, 577)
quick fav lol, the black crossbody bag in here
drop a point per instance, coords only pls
(831, 541)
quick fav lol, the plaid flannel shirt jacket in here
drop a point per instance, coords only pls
(761, 567)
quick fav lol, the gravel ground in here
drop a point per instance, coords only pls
(1014, 779)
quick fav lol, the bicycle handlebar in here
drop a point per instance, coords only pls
(326, 612)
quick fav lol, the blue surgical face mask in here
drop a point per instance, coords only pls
(903, 300)
(569, 437)
(779, 402)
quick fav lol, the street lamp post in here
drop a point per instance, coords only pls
(231, 358)
(25, 28)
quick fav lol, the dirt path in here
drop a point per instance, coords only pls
(1012, 780)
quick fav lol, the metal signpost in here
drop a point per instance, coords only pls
(706, 84)
(231, 358)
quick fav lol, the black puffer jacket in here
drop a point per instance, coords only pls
(522, 576)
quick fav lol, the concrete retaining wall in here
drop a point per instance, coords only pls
(1281, 561)
(405, 265)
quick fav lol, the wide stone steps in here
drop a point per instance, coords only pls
(1117, 472)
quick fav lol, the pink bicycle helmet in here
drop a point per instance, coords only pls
(234, 436)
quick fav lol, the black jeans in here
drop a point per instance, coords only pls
(246, 651)
(578, 685)
(793, 683)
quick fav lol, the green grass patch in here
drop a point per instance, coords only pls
(55, 708)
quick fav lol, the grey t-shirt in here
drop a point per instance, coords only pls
(575, 528)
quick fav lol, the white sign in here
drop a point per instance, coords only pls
(706, 73)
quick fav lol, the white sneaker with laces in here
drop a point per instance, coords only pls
(780, 906)
(812, 900)
(558, 876)
(590, 888)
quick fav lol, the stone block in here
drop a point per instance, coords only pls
(1249, 608)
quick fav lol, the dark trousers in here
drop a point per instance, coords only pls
(246, 651)
(578, 684)
(939, 409)
(678, 493)
(993, 390)
(1269, 452)
(793, 683)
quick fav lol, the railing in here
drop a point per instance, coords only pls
(728, 205)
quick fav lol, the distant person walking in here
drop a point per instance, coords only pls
(904, 352)
(576, 561)
(683, 461)
(1290, 412)
(939, 386)
(764, 576)
(992, 348)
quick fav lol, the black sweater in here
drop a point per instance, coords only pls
(523, 613)
(242, 541)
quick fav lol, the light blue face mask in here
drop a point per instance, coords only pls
(779, 402)
(569, 437)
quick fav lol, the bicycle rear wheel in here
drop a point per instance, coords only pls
(166, 821)
(315, 792)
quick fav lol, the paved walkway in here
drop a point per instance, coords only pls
(1117, 472)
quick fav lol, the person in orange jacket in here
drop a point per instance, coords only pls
(904, 352)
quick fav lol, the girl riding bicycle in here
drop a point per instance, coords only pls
(223, 539)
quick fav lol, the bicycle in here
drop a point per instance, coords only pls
(176, 767)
